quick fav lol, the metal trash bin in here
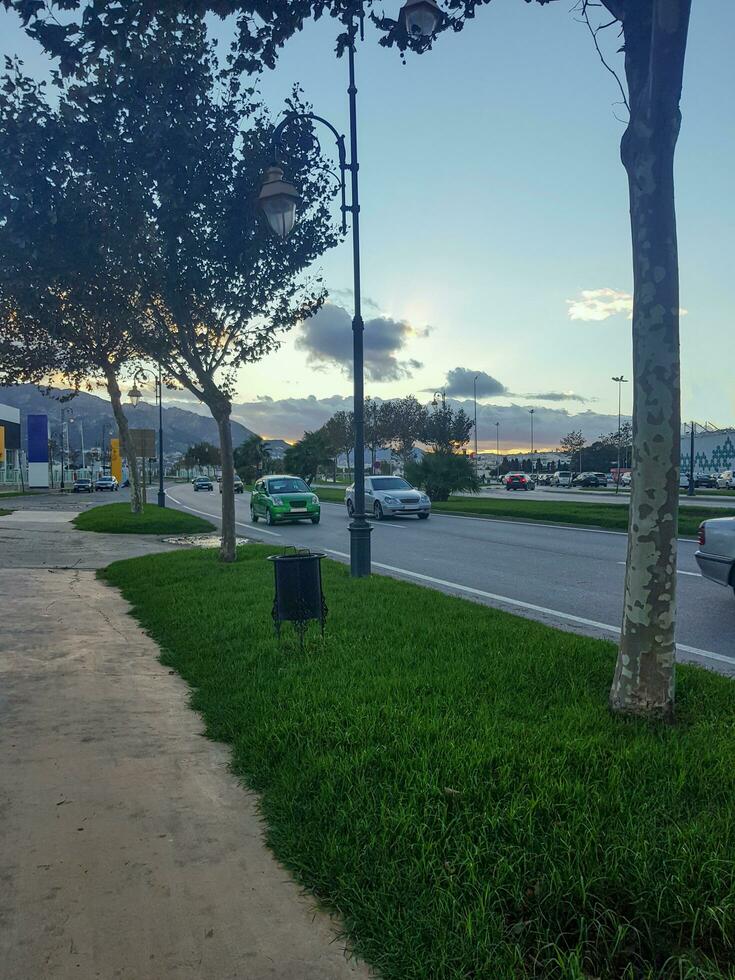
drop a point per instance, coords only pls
(299, 598)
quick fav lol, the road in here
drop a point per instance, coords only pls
(601, 496)
(568, 577)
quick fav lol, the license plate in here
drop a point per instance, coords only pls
(298, 510)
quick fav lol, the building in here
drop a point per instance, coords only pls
(714, 449)
(10, 456)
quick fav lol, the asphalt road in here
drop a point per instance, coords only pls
(702, 499)
(568, 577)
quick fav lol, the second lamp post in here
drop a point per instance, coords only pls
(134, 395)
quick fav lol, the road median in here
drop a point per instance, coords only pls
(119, 519)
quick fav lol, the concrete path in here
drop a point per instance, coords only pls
(127, 850)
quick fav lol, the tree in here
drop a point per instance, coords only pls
(338, 434)
(573, 443)
(216, 289)
(307, 455)
(377, 427)
(202, 454)
(405, 423)
(446, 429)
(441, 473)
(62, 285)
(251, 458)
(655, 39)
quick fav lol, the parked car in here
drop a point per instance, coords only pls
(589, 480)
(706, 481)
(519, 481)
(726, 480)
(106, 483)
(82, 485)
(543, 479)
(283, 498)
(562, 478)
(716, 553)
(239, 485)
(387, 496)
(625, 479)
(202, 483)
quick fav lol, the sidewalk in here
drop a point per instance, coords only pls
(126, 847)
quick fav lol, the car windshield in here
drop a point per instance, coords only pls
(391, 483)
(564, 473)
(288, 484)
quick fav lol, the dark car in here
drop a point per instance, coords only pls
(519, 481)
(709, 482)
(202, 483)
(82, 485)
(588, 480)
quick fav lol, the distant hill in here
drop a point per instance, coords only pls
(181, 428)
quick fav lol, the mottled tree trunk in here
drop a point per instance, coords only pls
(655, 43)
(137, 491)
(220, 409)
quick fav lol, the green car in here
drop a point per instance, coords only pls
(283, 498)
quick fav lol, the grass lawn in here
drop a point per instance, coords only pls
(4, 513)
(118, 519)
(592, 514)
(447, 777)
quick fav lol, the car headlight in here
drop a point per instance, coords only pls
(424, 499)
(278, 501)
(390, 500)
(314, 499)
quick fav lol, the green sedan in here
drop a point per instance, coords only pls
(283, 498)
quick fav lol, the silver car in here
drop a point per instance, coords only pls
(386, 496)
(716, 553)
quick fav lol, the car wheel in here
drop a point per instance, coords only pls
(423, 517)
(350, 509)
(378, 511)
(315, 520)
(253, 516)
(269, 519)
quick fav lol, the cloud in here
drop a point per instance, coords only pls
(327, 340)
(600, 304)
(557, 396)
(550, 425)
(460, 381)
(288, 418)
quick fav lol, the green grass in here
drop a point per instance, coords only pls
(118, 519)
(4, 513)
(592, 514)
(447, 777)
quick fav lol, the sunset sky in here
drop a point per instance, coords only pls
(495, 225)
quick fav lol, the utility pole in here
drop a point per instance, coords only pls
(620, 381)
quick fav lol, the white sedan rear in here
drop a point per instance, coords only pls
(716, 553)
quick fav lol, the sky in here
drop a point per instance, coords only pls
(494, 226)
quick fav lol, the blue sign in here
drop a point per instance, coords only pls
(37, 429)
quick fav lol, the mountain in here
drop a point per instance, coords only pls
(181, 428)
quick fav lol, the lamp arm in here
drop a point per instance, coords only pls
(291, 117)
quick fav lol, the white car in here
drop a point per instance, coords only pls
(716, 553)
(562, 478)
(726, 480)
(386, 496)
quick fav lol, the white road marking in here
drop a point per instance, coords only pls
(204, 513)
(518, 604)
(679, 571)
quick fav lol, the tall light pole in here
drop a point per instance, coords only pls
(443, 395)
(497, 451)
(134, 395)
(690, 488)
(474, 393)
(620, 382)
(531, 412)
(63, 453)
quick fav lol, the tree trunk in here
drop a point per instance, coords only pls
(221, 409)
(655, 43)
(137, 492)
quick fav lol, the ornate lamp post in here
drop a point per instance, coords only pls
(135, 395)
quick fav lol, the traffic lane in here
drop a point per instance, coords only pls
(599, 496)
(565, 573)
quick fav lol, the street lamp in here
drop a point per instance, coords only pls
(278, 201)
(135, 396)
(620, 381)
(474, 393)
(693, 431)
(497, 451)
(63, 454)
(420, 18)
(532, 412)
(443, 395)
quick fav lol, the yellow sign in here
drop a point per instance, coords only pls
(115, 460)
(2, 443)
